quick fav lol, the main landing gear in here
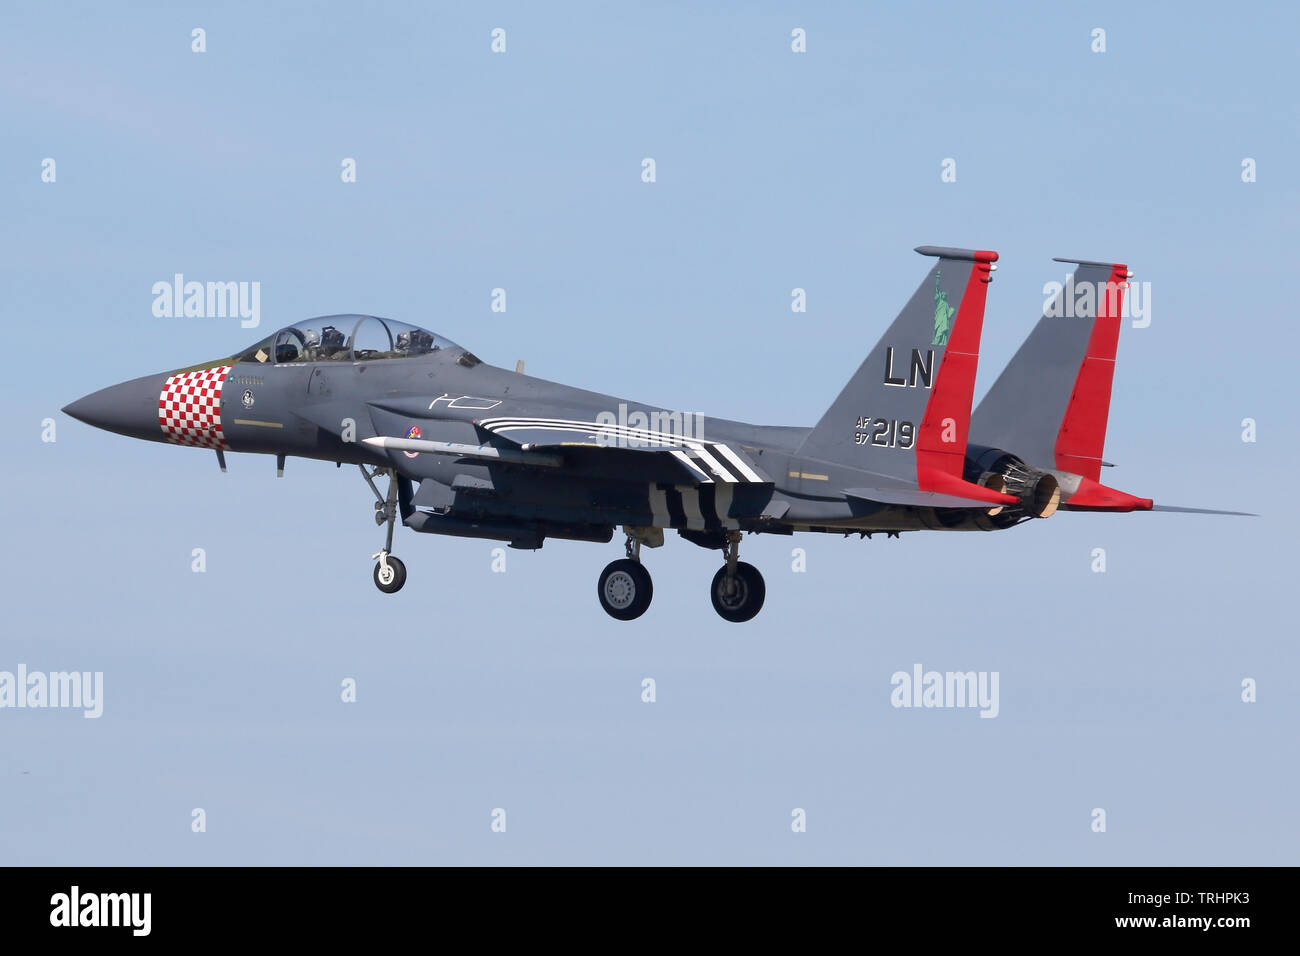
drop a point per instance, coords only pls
(390, 572)
(737, 591)
(624, 587)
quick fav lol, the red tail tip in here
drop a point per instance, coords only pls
(1096, 496)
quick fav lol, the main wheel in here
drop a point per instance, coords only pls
(624, 589)
(390, 579)
(738, 598)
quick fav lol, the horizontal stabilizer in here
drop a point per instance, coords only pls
(935, 491)
(914, 498)
(1094, 496)
(944, 483)
(1204, 511)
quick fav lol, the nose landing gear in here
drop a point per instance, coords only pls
(390, 572)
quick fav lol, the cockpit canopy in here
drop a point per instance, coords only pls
(346, 338)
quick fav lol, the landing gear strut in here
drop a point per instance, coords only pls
(624, 587)
(390, 572)
(738, 590)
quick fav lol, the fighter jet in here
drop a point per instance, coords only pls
(474, 450)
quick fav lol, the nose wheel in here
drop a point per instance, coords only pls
(738, 589)
(390, 573)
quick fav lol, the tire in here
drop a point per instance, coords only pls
(624, 589)
(392, 583)
(744, 600)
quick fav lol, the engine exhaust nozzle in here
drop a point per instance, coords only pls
(994, 482)
(1045, 497)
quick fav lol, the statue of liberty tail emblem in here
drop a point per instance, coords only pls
(943, 314)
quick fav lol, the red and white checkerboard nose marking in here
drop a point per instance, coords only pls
(189, 408)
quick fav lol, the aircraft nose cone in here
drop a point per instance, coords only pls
(130, 408)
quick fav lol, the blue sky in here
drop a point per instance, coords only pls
(478, 690)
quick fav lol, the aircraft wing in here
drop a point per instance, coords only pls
(633, 453)
(582, 447)
(676, 464)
